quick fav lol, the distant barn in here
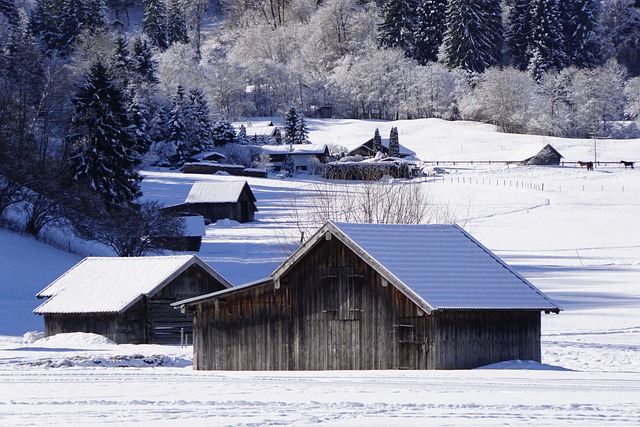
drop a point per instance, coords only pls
(216, 200)
(127, 299)
(536, 155)
(374, 296)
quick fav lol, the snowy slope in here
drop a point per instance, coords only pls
(577, 240)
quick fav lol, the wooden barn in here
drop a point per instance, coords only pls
(536, 155)
(374, 296)
(128, 300)
(216, 200)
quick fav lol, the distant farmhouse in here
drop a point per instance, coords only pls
(302, 155)
(535, 155)
(374, 296)
(216, 200)
(127, 299)
(366, 149)
(261, 134)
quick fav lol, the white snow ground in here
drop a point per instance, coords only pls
(578, 240)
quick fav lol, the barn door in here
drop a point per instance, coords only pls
(412, 343)
(342, 300)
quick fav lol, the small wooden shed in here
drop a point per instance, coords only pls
(128, 300)
(216, 200)
(374, 296)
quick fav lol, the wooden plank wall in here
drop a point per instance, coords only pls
(468, 339)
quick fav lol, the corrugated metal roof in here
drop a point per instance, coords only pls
(215, 191)
(437, 266)
(112, 284)
(297, 149)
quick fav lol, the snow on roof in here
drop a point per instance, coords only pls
(215, 191)
(436, 266)
(113, 284)
(526, 151)
(297, 149)
(260, 130)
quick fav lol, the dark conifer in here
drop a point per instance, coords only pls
(430, 28)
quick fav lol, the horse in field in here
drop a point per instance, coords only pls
(588, 165)
(627, 164)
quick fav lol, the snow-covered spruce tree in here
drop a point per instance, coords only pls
(121, 62)
(176, 23)
(301, 135)
(377, 141)
(44, 24)
(290, 126)
(104, 158)
(429, 29)
(223, 133)
(398, 25)
(546, 47)
(139, 129)
(620, 32)
(154, 22)
(177, 127)
(10, 11)
(580, 30)
(199, 123)
(394, 143)
(142, 61)
(277, 137)
(518, 34)
(474, 35)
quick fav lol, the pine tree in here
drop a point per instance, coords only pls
(398, 25)
(546, 49)
(177, 127)
(44, 24)
(277, 136)
(104, 157)
(121, 62)
(474, 35)
(176, 23)
(154, 22)
(142, 61)
(430, 27)
(377, 142)
(394, 143)
(518, 35)
(139, 130)
(580, 30)
(10, 11)
(223, 133)
(290, 126)
(301, 133)
(199, 123)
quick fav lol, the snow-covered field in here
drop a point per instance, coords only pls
(578, 240)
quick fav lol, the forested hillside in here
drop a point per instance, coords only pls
(92, 89)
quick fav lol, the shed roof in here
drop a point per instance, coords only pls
(113, 284)
(439, 267)
(527, 151)
(218, 192)
(404, 151)
(298, 149)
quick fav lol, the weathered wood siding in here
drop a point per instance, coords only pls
(332, 311)
(150, 320)
(468, 338)
(242, 211)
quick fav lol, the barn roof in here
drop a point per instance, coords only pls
(298, 149)
(218, 192)
(527, 151)
(439, 267)
(113, 284)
